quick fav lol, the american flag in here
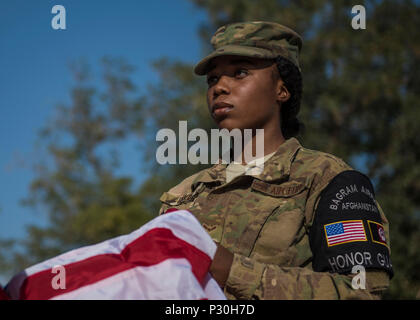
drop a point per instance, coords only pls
(3, 295)
(168, 258)
(345, 231)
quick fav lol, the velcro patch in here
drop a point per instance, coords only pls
(377, 232)
(344, 232)
(288, 189)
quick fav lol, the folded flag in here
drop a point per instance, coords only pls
(3, 295)
(167, 258)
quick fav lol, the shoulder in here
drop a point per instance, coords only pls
(317, 168)
(186, 186)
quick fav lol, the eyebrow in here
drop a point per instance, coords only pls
(234, 62)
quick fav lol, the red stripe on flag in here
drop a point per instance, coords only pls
(151, 248)
(345, 239)
(171, 210)
(3, 295)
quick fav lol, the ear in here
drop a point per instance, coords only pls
(282, 92)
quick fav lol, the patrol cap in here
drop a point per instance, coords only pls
(258, 39)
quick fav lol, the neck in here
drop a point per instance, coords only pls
(271, 142)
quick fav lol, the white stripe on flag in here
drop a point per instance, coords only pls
(147, 283)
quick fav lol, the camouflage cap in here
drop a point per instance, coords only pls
(259, 39)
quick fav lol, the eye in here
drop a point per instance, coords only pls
(241, 73)
(211, 80)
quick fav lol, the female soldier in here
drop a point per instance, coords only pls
(300, 228)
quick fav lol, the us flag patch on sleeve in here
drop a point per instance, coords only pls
(344, 232)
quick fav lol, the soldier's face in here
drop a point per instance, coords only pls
(243, 93)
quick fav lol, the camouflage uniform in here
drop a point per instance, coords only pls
(280, 225)
(266, 222)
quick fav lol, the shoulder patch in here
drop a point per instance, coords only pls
(347, 229)
(377, 232)
(349, 192)
(344, 232)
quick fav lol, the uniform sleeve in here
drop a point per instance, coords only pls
(249, 279)
(163, 208)
(348, 234)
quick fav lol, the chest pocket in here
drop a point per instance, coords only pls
(273, 221)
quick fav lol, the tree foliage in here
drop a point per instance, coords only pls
(360, 102)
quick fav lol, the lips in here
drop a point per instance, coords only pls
(221, 108)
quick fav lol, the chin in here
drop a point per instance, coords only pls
(230, 125)
(226, 124)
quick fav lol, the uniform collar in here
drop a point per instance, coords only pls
(275, 168)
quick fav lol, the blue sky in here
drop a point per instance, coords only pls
(35, 77)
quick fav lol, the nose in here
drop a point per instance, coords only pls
(222, 86)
